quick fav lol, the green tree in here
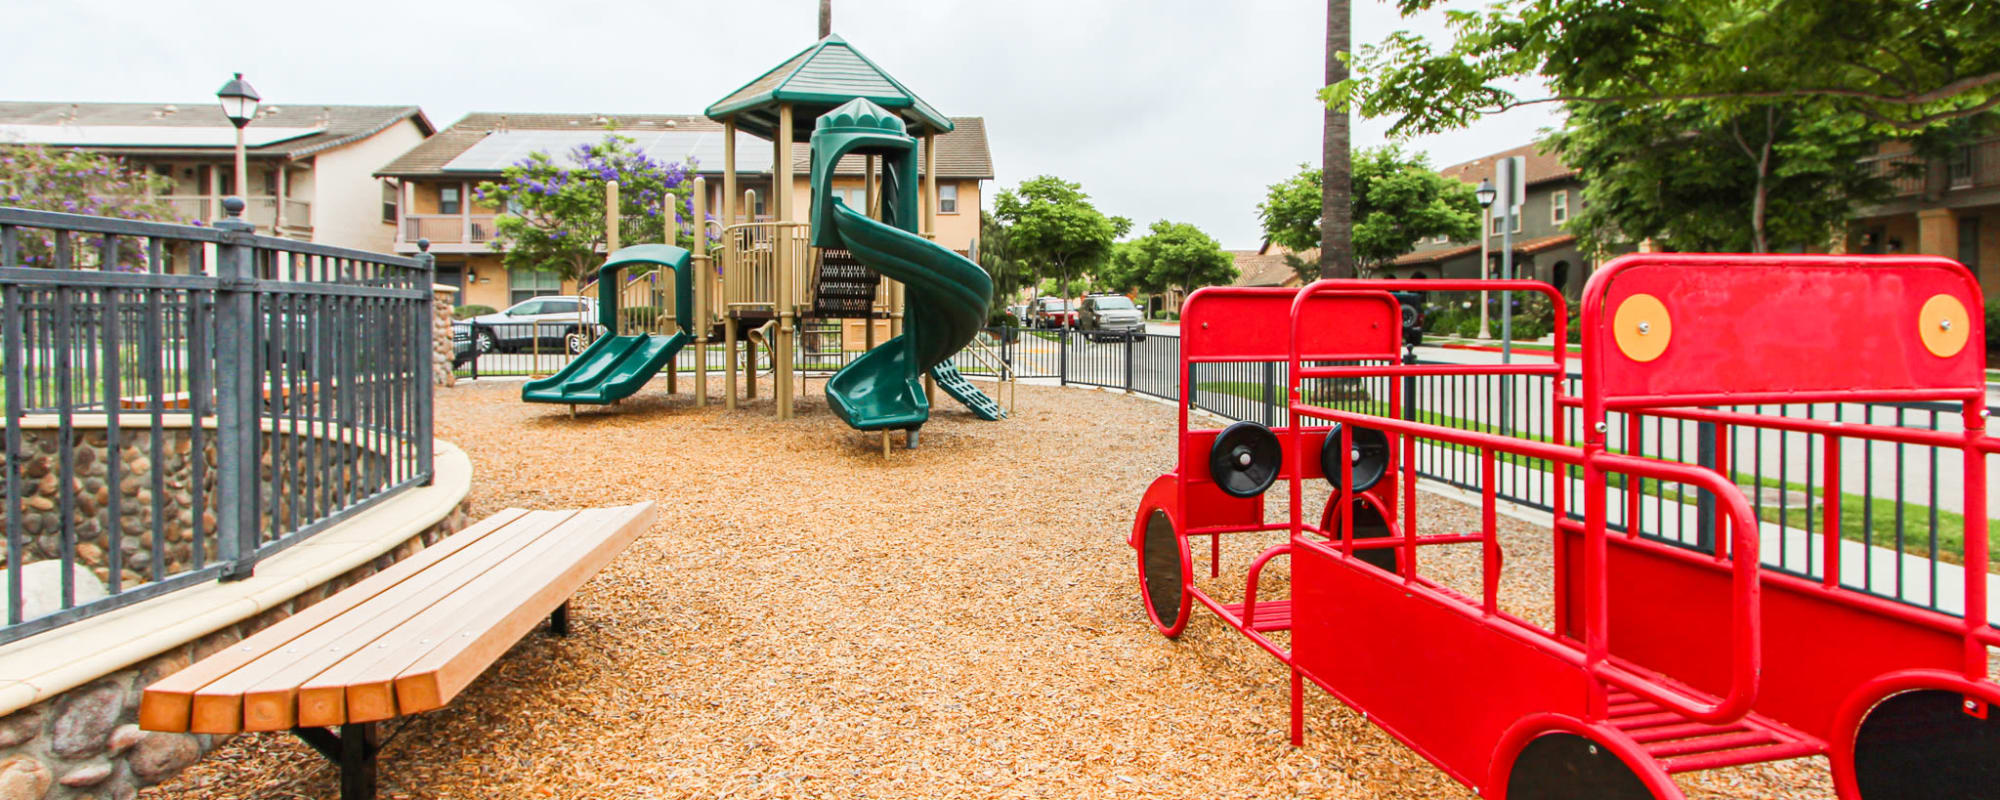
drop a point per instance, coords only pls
(1175, 254)
(1903, 65)
(1397, 200)
(1684, 175)
(79, 182)
(1053, 226)
(554, 220)
(997, 255)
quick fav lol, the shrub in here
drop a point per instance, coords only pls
(465, 312)
(999, 317)
(1468, 327)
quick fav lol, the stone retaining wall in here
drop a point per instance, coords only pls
(441, 306)
(86, 743)
(343, 466)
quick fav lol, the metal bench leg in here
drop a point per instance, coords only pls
(559, 620)
(354, 750)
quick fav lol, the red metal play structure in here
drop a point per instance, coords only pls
(1662, 658)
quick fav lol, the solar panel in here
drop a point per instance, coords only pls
(501, 149)
(148, 135)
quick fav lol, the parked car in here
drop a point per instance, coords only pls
(1051, 312)
(552, 322)
(1110, 313)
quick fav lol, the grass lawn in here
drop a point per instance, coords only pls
(1858, 515)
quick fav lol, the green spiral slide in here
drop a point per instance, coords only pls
(945, 293)
(615, 366)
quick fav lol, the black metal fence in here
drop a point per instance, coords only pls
(183, 401)
(1898, 505)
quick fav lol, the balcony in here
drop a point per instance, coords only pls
(1975, 166)
(260, 211)
(448, 229)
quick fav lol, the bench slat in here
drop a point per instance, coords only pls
(365, 678)
(503, 619)
(167, 704)
(260, 695)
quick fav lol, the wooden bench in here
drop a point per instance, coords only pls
(403, 641)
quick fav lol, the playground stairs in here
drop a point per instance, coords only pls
(955, 384)
(1684, 745)
(842, 288)
(1272, 615)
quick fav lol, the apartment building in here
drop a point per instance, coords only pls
(432, 185)
(1543, 250)
(1947, 206)
(311, 166)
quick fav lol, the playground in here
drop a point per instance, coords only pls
(815, 621)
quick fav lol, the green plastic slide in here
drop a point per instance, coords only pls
(614, 367)
(946, 305)
(611, 368)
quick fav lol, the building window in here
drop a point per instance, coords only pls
(1493, 227)
(1968, 243)
(448, 200)
(1440, 239)
(947, 198)
(527, 284)
(391, 196)
(1559, 207)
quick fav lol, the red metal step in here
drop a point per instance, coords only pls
(1272, 615)
(1684, 745)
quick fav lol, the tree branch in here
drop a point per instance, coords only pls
(1944, 92)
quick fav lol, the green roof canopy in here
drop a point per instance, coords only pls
(819, 78)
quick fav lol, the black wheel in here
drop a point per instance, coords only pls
(1370, 456)
(1565, 766)
(1163, 574)
(1368, 524)
(575, 341)
(1923, 745)
(484, 341)
(1244, 459)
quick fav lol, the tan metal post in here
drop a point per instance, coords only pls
(700, 275)
(610, 217)
(730, 263)
(781, 191)
(930, 225)
(670, 233)
(873, 207)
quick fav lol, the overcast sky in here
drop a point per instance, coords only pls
(1163, 109)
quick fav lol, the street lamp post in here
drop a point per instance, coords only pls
(1485, 193)
(239, 104)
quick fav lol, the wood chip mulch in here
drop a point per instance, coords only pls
(808, 619)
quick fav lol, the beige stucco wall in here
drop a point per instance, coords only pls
(955, 231)
(347, 197)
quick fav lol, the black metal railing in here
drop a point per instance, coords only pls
(183, 401)
(1900, 508)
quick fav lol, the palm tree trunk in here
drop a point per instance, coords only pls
(1336, 252)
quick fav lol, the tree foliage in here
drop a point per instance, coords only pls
(78, 182)
(554, 220)
(1053, 227)
(997, 255)
(1902, 65)
(1398, 201)
(1691, 179)
(1173, 255)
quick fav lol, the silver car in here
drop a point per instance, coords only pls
(1110, 313)
(559, 321)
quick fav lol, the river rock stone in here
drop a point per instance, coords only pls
(41, 588)
(20, 726)
(159, 755)
(85, 719)
(90, 774)
(124, 738)
(23, 778)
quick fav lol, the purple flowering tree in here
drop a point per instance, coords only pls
(553, 210)
(77, 182)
